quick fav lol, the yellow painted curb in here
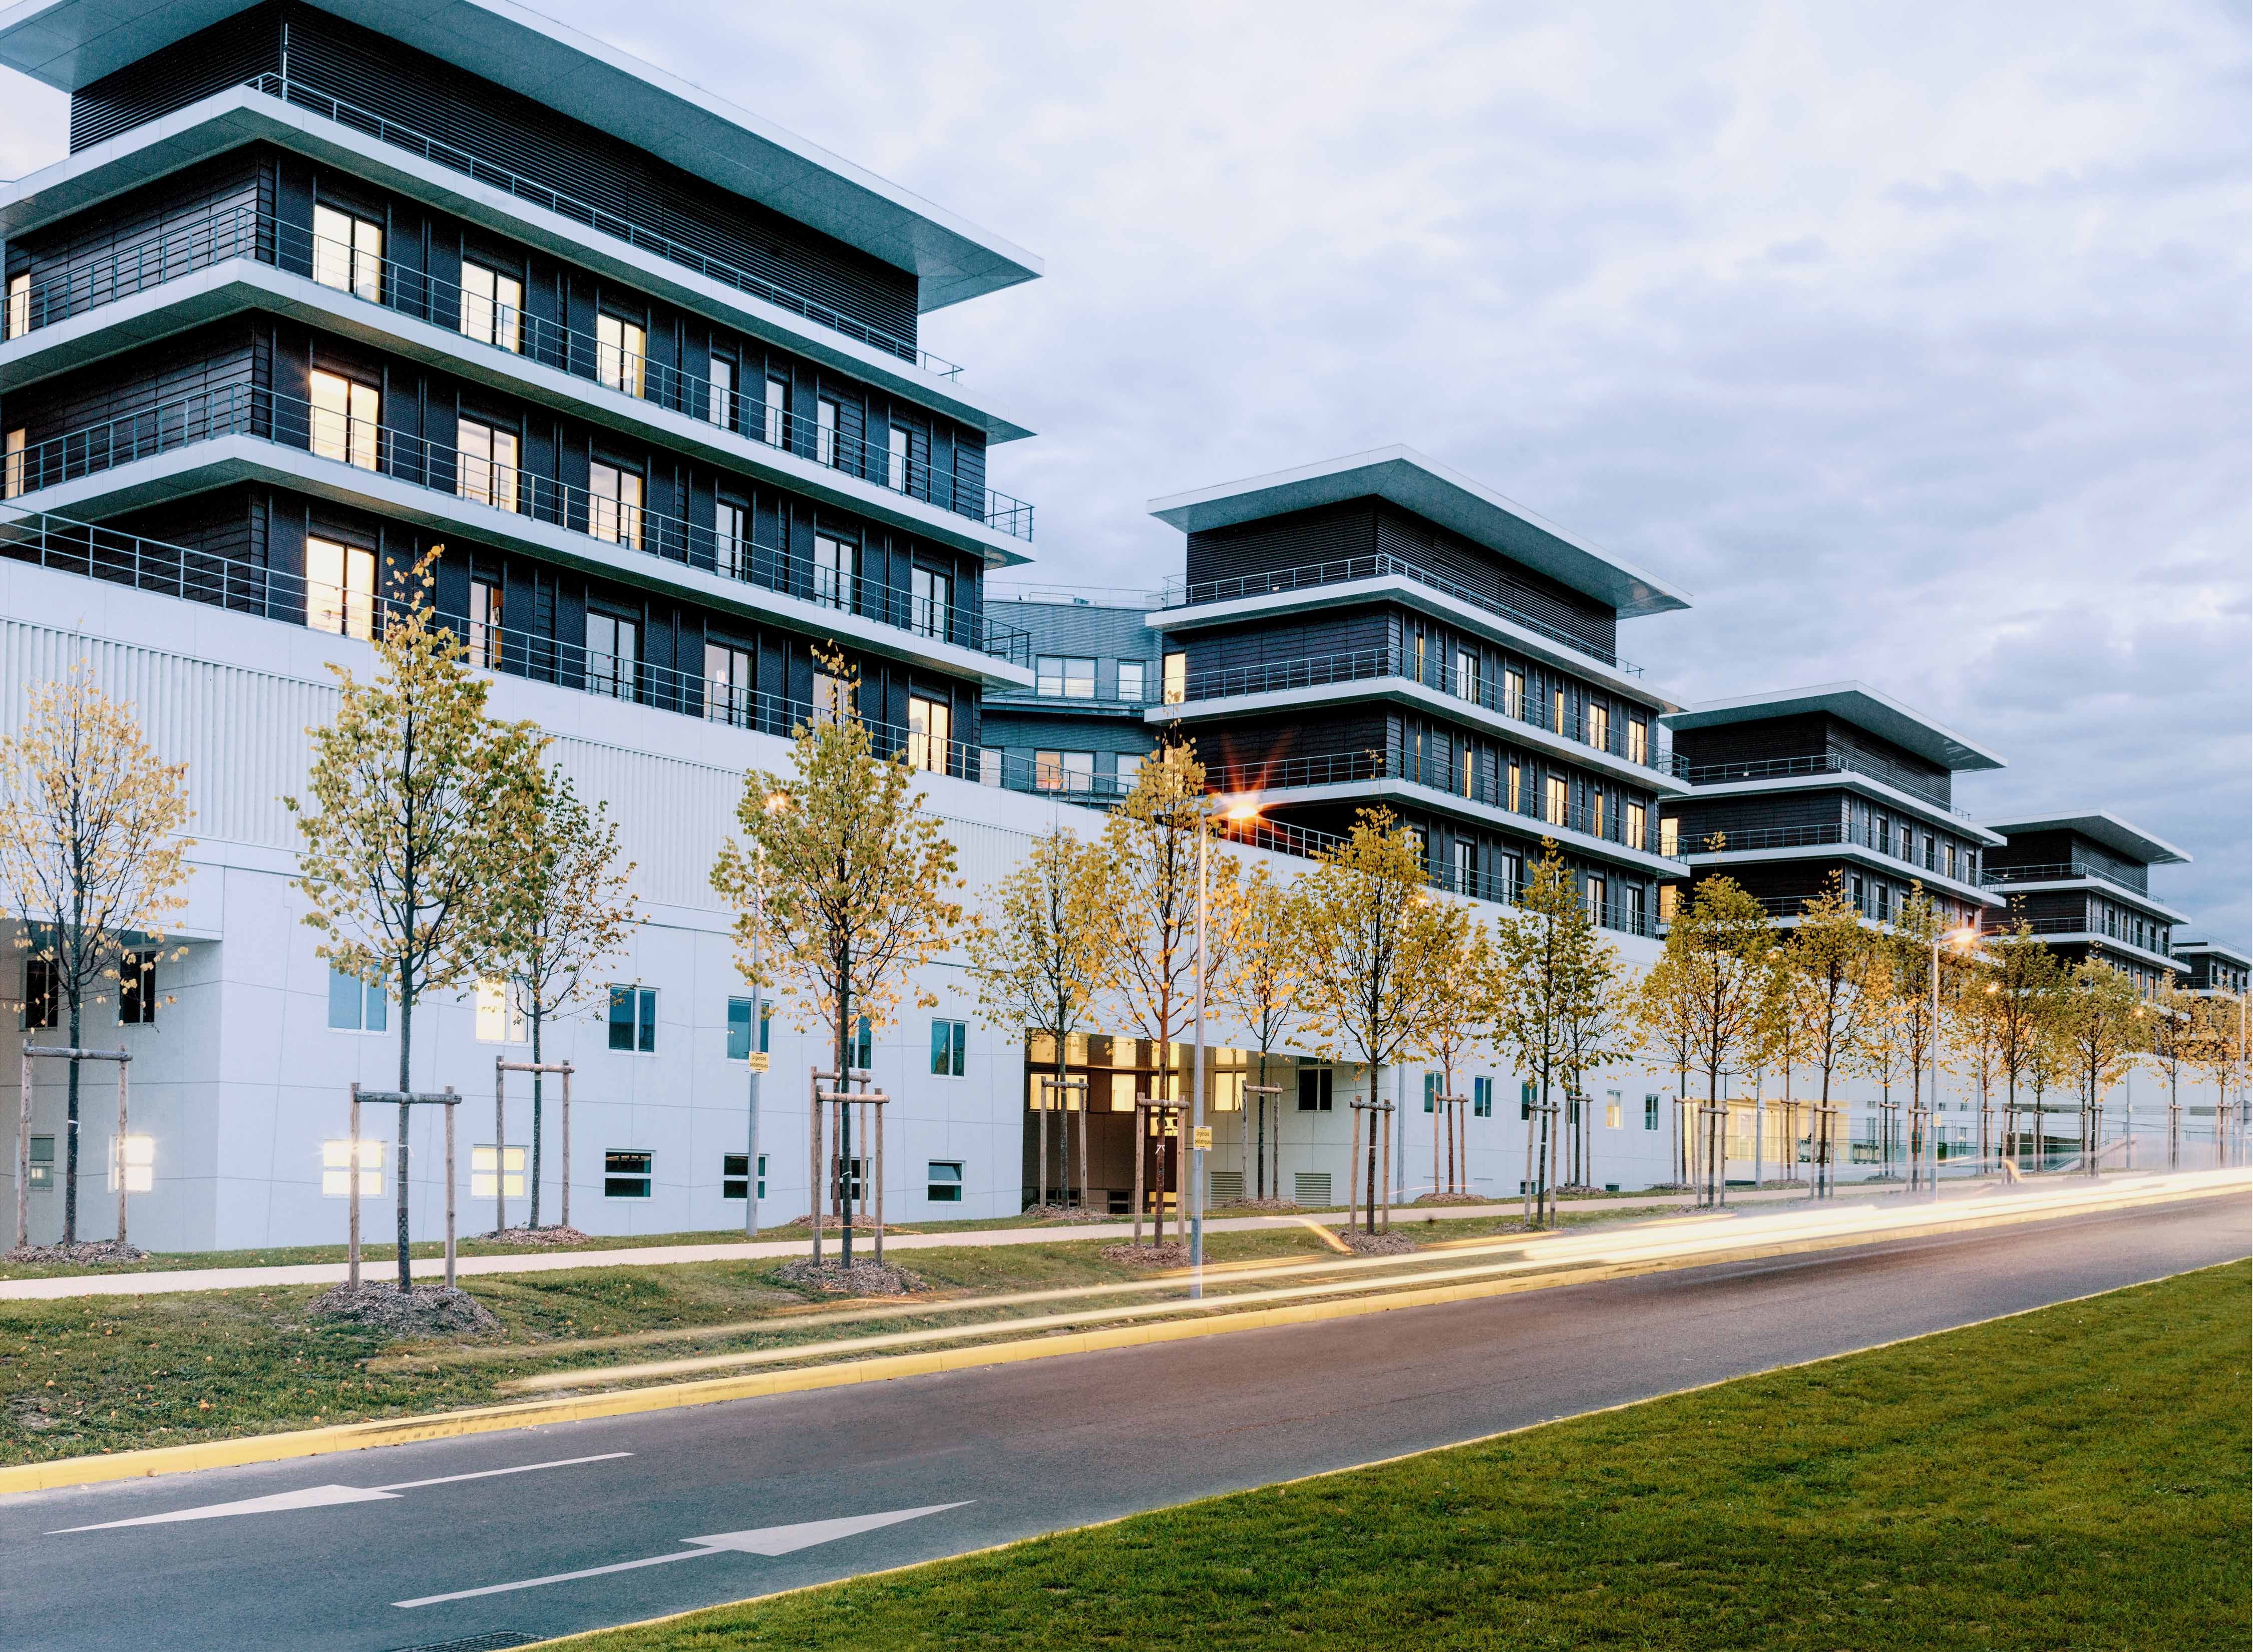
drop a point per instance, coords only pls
(347, 1437)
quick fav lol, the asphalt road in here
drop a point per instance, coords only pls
(969, 1459)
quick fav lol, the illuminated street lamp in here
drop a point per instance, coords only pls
(1960, 938)
(1242, 814)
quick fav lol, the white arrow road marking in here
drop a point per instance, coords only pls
(326, 1496)
(762, 1540)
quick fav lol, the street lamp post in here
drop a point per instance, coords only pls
(1956, 938)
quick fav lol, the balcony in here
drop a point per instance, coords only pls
(508, 334)
(2064, 872)
(1711, 774)
(1801, 837)
(1615, 737)
(618, 519)
(1179, 593)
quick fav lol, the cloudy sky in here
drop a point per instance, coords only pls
(1911, 339)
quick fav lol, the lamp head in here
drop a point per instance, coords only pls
(1242, 813)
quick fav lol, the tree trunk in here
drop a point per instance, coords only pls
(406, 1088)
(70, 1128)
(532, 1220)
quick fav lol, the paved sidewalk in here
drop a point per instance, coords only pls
(378, 1263)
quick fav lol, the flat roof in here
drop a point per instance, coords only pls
(2100, 826)
(2234, 954)
(68, 43)
(1438, 494)
(1858, 703)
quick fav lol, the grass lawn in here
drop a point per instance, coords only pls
(2073, 1478)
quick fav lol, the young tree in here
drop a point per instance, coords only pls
(859, 883)
(1824, 952)
(416, 802)
(1972, 1029)
(2170, 1041)
(1377, 941)
(1665, 1030)
(91, 859)
(1039, 963)
(2222, 1051)
(1786, 1040)
(1728, 942)
(1880, 1042)
(1551, 973)
(1920, 926)
(1598, 1022)
(1263, 989)
(2021, 991)
(578, 913)
(1459, 998)
(2099, 1014)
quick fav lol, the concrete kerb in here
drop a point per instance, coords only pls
(350, 1437)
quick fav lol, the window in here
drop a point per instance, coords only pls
(1596, 819)
(1513, 693)
(833, 572)
(481, 1172)
(720, 394)
(501, 1012)
(1064, 676)
(949, 1043)
(864, 1048)
(728, 684)
(41, 1002)
(1431, 1093)
(1631, 918)
(345, 419)
(1516, 788)
(1948, 860)
(1466, 867)
(732, 1177)
(337, 1167)
(1553, 799)
(11, 466)
(633, 1019)
(621, 355)
(943, 1182)
(626, 1175)
(42, 1179)
(832, 698)
(1669, 835)
(992, 765)
(1650, 1112)
(931, 727)
(739, 1028)
(614, 505)
(1600, 727)
(1315, 1089)
(1557, 709)
(1176, 679)
(1481, 1097)
(1525, 1099)
(485, 622)
(931, 594)
(492, 307)
(1611, 1110)
(1064, 770)
(1638, 741)
(339, 588)
(731, 539)
(137, 989)
(1466, 674)
(776, 410)
(1130, 771)
(348, 253)
(1599, 905)
(1632, 827)
(1131, 676)
(825, 447)
(485, 463)
(896, 459)
(355, 1006)
(1669, 902)
(19, 306)
(613, 646)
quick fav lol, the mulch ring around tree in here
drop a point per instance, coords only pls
(84, 1253)
(1378, 1244)
(1451, 1198)
(1281, 1207)
(832, 1278)
(429, 1310)
(1147, 1256)
(863, 1224)
(535, 1238)
(1067, 1214)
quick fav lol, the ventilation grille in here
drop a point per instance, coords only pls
(1311, 1186)
(1226, 1185)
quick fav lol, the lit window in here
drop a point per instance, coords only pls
(1638, 741)
(484, 464)
(1177, 678)
(356, 1008)
(1516, 788)
(348, 253)
(943, 1182)
(732, 1176)
(949, 1041)
(12, 471)
(627, 1175)
(19, 306)
(337, 1167)
(1600, 727)
(1634, 826)
(1553, 800)
(1064, 770)
(481, 1172)
(484, 622)
(492, 307)
(1598, 907)
(1466, 674)
(614, 500)
(339, 588)
(1669, 835)
(1513, 694)
(930, 733)
(501, 1012)
(621, 355)
(137, 989)
(633, 1019)
(344, 420)
(1596, 801)
(1611, 1110)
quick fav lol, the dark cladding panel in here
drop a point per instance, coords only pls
(229, 52)
(1450, 556)
(1327, 533)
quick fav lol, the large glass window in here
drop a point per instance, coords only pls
(731, 539)
(833, 572)
(1176, 670)
(485, 622)
(950, 1043)
(12, 479)
(728, 684)
(1466, 674)
(775, 414)
(621, 354)
(19, 306)
(339, 588)
(492, 307)
(348, 253)
(720, 394)
(633, 1019)
(931, 594)
(826, 448)
(1064, 770)
(931, 727)
(613, 648)
(485, 463)
(896, 460)
(345, 419)
(1600, 727)
(1064, 676)
(1553, 800)
(614, 500)
(1632, 826)
(1133, 676)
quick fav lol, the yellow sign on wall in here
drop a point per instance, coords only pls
(1201, 1137)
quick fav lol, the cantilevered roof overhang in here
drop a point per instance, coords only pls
(1867, 709)
(1432, 491)
(69, 43)
(2099, 825)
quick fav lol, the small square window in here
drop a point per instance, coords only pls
(356, 1008)
(43, 1164)
(501, 1012)
(633, 1019)
(731, 1174)
(1315, 1085)
(943, 1182)
(481, 1172)
(336, 1167)
(1611, 1110)
(625, 1174)
(1133, 677)
(949, 1039)
(739, 1028)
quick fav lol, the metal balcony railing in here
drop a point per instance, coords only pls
(1601, 731)
(2001, 876)
(507, 329)
(602, 220)
(1709, 774)
(1180, 592)
(1800, 837)
(615, 515)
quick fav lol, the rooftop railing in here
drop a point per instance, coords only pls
(2059, 871)
(1181, 593)
(614, 514)
(509, 331)
(601, 219)
(1711, 774)
(1601, 730)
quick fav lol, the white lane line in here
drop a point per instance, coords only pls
(760, 1540)
(326, 1496)
(488, 1474)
